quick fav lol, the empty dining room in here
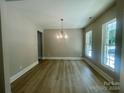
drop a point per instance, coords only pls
(61, 46)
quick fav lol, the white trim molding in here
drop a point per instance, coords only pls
(97, 69)
(63, 58)
(22, 72)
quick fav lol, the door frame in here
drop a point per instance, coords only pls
(120, 15)
(2, 83)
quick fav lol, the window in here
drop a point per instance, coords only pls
(88, 44)
(108, 42)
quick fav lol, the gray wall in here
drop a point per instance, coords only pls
(72, 47)
(19, 41)
(96, 27)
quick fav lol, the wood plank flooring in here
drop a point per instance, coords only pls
(60, 77)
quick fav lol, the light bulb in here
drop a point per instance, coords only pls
(58, 36)
(61, 36)
(66, 36)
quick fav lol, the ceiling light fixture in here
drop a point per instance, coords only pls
(62, 34)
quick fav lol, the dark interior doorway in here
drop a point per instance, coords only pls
(2, 88)
(40, 54)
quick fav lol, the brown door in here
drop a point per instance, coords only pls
(2, 88)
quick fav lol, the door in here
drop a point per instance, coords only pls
(39, 35)
(2, 88)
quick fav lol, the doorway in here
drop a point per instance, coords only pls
(2, 88)
(40, 50)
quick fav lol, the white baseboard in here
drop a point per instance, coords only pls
(22, 72)
(97, 69)
(63, 58)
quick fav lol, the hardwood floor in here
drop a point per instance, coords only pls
(60, 77)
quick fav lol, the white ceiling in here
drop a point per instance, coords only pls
(47, 13)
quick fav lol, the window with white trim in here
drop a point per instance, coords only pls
(88, 44)
(108, 44)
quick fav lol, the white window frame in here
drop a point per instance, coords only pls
(87, 45)
(103, 41)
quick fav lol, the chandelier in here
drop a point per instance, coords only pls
(62, 34)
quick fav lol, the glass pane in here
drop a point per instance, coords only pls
(88, 47)
(109, 44)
